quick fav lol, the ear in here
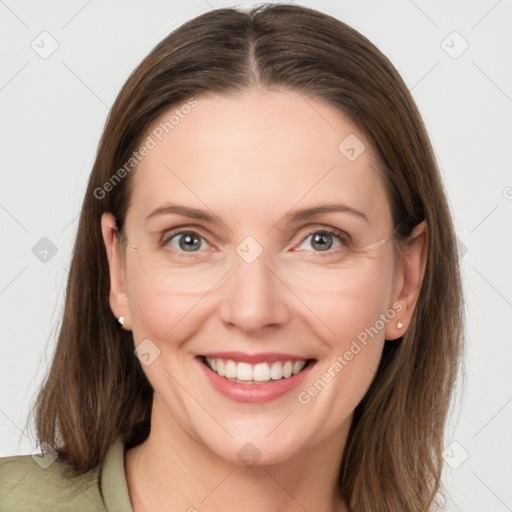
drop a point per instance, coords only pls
(408, 280)
(118, 297)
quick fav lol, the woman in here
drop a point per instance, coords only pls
(265, 228)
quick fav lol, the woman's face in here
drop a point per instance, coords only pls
(231, 257)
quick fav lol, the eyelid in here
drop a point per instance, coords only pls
(316, 228)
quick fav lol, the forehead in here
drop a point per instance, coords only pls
(258, 154)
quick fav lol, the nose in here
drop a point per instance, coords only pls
(254, 298)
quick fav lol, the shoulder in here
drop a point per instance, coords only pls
(29, 483)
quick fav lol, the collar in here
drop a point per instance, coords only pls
(113, 486)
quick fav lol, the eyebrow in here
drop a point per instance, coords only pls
(293, 216)
(184, 211)
(308, 213)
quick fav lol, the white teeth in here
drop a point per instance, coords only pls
(276, 371)
(244, 371)
(287, 369)
(229, 369)
(298, 365)
(261, 372)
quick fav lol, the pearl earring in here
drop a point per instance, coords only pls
(121, 320)
(399, 324)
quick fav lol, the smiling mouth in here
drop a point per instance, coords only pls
(261, 373)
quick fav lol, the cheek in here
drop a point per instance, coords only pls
(162, 314)
(354, 315)
(169, 319)
(350, 301)
(343, 304)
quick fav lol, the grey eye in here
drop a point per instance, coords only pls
(187, 241)
(320, 240)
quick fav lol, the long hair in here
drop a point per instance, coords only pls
(96, 390)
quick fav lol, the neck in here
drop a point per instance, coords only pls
(173, 471)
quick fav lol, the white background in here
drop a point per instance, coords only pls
(52, 114)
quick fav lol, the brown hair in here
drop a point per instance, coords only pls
(96, 390)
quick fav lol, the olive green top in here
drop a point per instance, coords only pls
(27, 485)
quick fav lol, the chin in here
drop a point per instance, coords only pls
(257, 442)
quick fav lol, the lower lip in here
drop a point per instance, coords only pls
(253, 393)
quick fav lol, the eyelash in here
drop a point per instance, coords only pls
(342, 237)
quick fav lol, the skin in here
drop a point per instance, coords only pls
(252, 158)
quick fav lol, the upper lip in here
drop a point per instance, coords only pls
(264, 357)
